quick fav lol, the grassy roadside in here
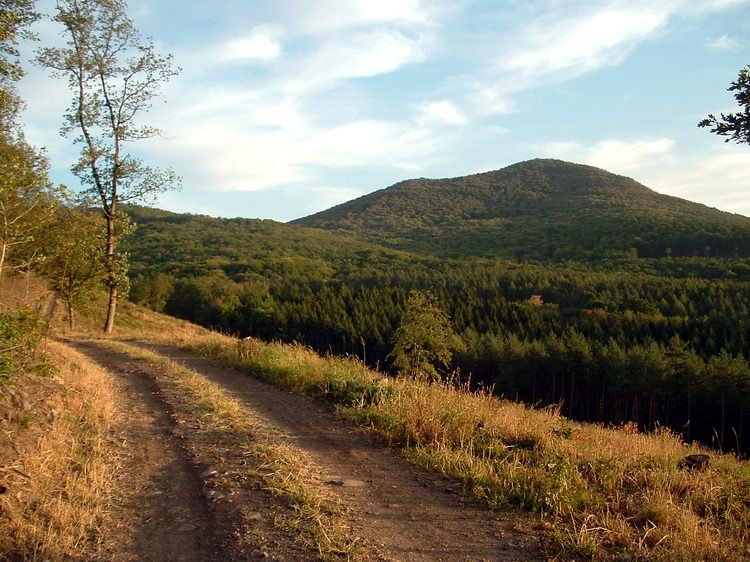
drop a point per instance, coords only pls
(317, 519)
(602, 493)
(60, 462)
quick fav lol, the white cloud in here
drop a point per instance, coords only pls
(712, 5)
(492, 99)
(615, 155)
(624, 156)
(324, 16)
(362, 143)
(358, 56)
(719, 179)
(223, 153)
(577, 45)
(441, 112)
(725, 43)
(258, 45)
(566, 42)
(244, 134)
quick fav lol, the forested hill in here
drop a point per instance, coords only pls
(539, 209)
(612, 345)
(186, 245)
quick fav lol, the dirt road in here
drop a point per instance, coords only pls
(162, 514)
(401, 512)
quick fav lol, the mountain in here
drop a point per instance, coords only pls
(538, 209)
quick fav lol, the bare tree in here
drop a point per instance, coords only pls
(114, 75)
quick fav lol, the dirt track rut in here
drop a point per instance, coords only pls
(161, 514)
(402, 512)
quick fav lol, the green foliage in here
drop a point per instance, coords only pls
(247, 250)
(422, 338)
(152, 291)
(542, 210)
(74, 257)
(27, 201)
(735, 126)
(619, 339)
(114, 76)
(20, 334)
(15, 18)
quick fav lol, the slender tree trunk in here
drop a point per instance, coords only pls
(690, 405)
(723, 421)
(739, 437)
(561, 399)
(572, 388)
(651, 411)
(554, 388)
(3, 251)
(26, 289)
(112, 274)
(51, 311)
(70, 316)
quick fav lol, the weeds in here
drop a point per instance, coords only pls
(20, 335)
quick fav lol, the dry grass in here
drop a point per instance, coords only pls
(602, 493)
(59, 477)
(132, 322)
(285, 470)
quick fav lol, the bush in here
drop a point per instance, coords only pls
(20, 334)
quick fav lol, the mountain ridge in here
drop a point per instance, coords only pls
(541, 209)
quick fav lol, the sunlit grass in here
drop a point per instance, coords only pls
(60, 491)
(285, 470)
(601, 492)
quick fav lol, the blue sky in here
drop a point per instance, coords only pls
(287, 107)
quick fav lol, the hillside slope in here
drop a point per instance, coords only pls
(195, 245)
(537, 209)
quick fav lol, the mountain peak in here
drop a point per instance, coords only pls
(536, 208)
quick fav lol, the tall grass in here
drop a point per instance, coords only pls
(602, 493)
(59, 482)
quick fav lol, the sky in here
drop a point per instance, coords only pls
(286, 107)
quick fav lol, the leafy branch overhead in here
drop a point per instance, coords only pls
(735, 126)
